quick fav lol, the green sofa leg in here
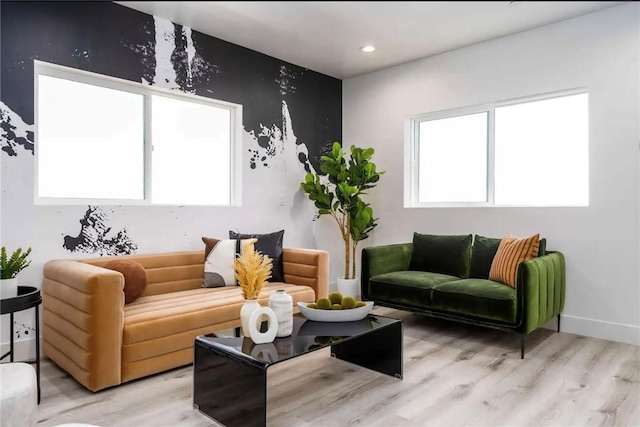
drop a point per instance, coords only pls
(522, 346)
(558, 322)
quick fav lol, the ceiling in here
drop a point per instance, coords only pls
(327, 36)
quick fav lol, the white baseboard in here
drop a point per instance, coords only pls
(613, 331)
(24, 350)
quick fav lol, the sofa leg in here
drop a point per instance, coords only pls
(558, 323)
(237, 332)
(522, 346)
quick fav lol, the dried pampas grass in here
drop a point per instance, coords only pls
(252, 271)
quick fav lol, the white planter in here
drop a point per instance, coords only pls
(349, 287)
(282, 304)
(251, 317)
(255, 323)
(249, 306)
(8, 288)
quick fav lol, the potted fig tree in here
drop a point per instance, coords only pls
(339, 195)
(9, 269)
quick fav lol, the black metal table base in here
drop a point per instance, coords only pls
(28, 297)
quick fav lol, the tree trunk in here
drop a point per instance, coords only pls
(347, 258)
(347, 255)
(353, 260)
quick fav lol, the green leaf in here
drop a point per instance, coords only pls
(11, 266)
(367, 153)
(336, 150)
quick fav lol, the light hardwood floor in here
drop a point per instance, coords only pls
(454, 375)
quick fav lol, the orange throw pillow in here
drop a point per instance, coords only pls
(135, 278)
(511, 252)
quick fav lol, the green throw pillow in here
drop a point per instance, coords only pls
(441, 254)
(484, 249)
(542, 249)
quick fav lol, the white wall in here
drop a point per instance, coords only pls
(600, 51)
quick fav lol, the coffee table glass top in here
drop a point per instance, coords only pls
(307, 336)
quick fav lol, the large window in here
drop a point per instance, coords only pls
(533, 152)
(106, 141)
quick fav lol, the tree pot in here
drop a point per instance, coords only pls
(348, 287)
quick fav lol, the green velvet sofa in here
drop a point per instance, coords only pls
(447, 277)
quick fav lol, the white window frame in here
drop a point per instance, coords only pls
(80, 76)
(412, 144)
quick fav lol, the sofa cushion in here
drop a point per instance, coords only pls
(166, 323)
(441, 254)
(511, 252)
(135, 277)
(542, 247)
(484, 249)
(269, 244)
(477, 298)
(482, 253)
(219, 263)
(406, 287)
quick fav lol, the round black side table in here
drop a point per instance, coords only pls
(28, 297)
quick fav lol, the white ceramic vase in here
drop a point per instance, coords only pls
(255, 323)
(282, 304)
(249, 306)
(348, 287)
(8, 288)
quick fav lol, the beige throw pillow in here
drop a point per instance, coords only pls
(218, 262)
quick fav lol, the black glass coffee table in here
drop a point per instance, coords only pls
(230, 374)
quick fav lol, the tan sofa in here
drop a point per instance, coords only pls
(91, 334)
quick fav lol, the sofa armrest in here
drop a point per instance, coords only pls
(307, 267)
(83, 320)
(541, 289)
(383, 259)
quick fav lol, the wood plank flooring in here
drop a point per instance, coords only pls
(454, 375)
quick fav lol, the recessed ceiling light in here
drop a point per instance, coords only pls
(368, 48)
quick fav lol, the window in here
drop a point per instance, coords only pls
(191, 152)
(459, 141)
(102, 140)
(532, 152)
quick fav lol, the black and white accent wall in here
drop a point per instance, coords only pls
(291, 117)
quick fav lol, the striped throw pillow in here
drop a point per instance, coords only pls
(511, 252)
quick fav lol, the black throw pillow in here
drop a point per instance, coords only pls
(268, 244)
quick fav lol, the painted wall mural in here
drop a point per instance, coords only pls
(14, 132)
(22, 330)
(97, 237)
(113, 40)
(291, 116)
